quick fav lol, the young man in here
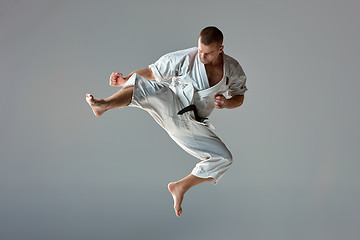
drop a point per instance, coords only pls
(188, 85)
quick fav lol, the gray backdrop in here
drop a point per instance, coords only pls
(66, 174)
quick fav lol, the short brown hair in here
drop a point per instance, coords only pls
(211, 34)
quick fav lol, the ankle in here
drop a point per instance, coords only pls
(105, 103)
(182, 186)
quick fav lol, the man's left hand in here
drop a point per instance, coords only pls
(220, 101)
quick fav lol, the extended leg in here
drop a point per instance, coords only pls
(120, 99)
(178, 189)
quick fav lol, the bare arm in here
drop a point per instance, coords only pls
(117, 79)
(145, 72)
(233, 102)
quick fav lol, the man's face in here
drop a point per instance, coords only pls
(208, 53)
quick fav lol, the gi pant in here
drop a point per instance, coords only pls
(194, 137)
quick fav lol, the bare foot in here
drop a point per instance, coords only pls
(98, 105)
(177, 194)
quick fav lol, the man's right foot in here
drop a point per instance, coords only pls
(97, 105)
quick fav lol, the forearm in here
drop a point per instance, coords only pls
(145, 72)
(234, 102)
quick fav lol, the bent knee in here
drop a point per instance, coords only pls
(228, 157)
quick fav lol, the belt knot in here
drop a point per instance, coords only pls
(192, 107)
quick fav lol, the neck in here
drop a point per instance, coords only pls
(218, 60)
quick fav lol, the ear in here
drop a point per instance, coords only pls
(221, 48)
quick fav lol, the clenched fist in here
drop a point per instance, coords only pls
(220, 101)
(117, 79)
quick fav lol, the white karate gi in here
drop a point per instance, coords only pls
(181, 80)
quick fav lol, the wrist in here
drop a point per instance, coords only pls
(226, 103)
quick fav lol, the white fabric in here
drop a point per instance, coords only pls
(189, 80)
(181, 80)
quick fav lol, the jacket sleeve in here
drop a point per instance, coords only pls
(237, 85)
(169, 66)
(172, 64)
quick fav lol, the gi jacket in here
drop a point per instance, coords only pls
(186, 76)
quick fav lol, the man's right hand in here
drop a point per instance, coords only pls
(117, 79)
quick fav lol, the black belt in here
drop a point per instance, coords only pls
(192, 108)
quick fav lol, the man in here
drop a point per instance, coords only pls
(188, 85)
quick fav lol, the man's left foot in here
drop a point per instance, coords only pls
(178, 195)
